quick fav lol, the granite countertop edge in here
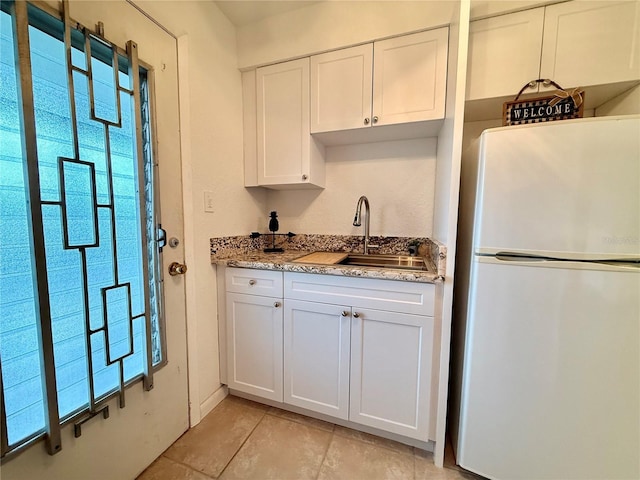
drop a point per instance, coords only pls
(285, 262)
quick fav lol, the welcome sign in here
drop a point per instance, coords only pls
(561, 105)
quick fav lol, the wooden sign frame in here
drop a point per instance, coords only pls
(559, 106)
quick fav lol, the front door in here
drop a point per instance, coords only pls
(122, 445)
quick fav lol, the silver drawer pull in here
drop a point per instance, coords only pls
(356, 315)
(277, 304)
(252, 282)
(345, 313)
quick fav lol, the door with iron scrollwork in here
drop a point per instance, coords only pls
(98, 264)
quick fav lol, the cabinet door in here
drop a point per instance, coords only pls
(316, 357)
(341, 89)
(504, 54)
(254, 345)
(591, 43)
(391, 356)
(409, 77)
(283, 137)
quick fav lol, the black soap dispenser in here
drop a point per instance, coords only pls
(273, 222)
(273, 228)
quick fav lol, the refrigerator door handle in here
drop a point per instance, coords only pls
(551, 262)
(519, 257)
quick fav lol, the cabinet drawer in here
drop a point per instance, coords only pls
(254, 282)
(395, 296)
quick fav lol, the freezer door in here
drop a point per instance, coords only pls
(566, 187)
(552, 372)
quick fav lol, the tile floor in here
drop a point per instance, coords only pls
(244, 439)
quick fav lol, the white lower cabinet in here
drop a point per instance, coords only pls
(391, 371)
(387, 359)
(316, 357)
(355, 349)
(254, 334)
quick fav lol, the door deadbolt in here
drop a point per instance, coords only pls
(177, 269)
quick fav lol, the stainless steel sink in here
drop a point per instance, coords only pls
(404, 262)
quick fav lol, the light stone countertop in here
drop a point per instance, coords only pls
(252, 256)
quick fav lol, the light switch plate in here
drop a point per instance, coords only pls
(208, 202)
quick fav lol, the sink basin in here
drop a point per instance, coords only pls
(385, 261)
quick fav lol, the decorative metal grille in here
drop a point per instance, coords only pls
(90, 189)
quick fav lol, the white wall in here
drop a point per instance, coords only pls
(627, 103)
(214, 152)
(329, 25)
(397, 177)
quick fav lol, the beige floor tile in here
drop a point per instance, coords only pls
(247, 403)
(165, 469)
(426, 469)
(294, 417)
(280, 449)
(373, 439)
(210, 445)
(462, 475)
(351, 459)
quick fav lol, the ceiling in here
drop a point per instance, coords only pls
(243, 12)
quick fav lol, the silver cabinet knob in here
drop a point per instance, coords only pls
(366, 121)
(177, 269)
(345, 313)
(252, 282)
(277, 304)
(375, 119)
(356, 315)
(304, 177)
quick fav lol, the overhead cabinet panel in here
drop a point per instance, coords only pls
(591, 43)
(282, 115)
(287, 156)
(576, 44)
(341, 89)
(386, 90)
(409, 77)
(504, 54)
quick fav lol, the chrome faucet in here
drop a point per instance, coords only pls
(357, 221)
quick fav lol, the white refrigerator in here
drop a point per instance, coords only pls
(550, 306)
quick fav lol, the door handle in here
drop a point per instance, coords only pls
(177, 269)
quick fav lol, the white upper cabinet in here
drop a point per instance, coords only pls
(504, 54)
(342, 89)
(591, 43)
(398, 81)
(287, 156)
(410, 77)
(576, 44)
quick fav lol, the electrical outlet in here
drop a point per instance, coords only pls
(208, 202)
